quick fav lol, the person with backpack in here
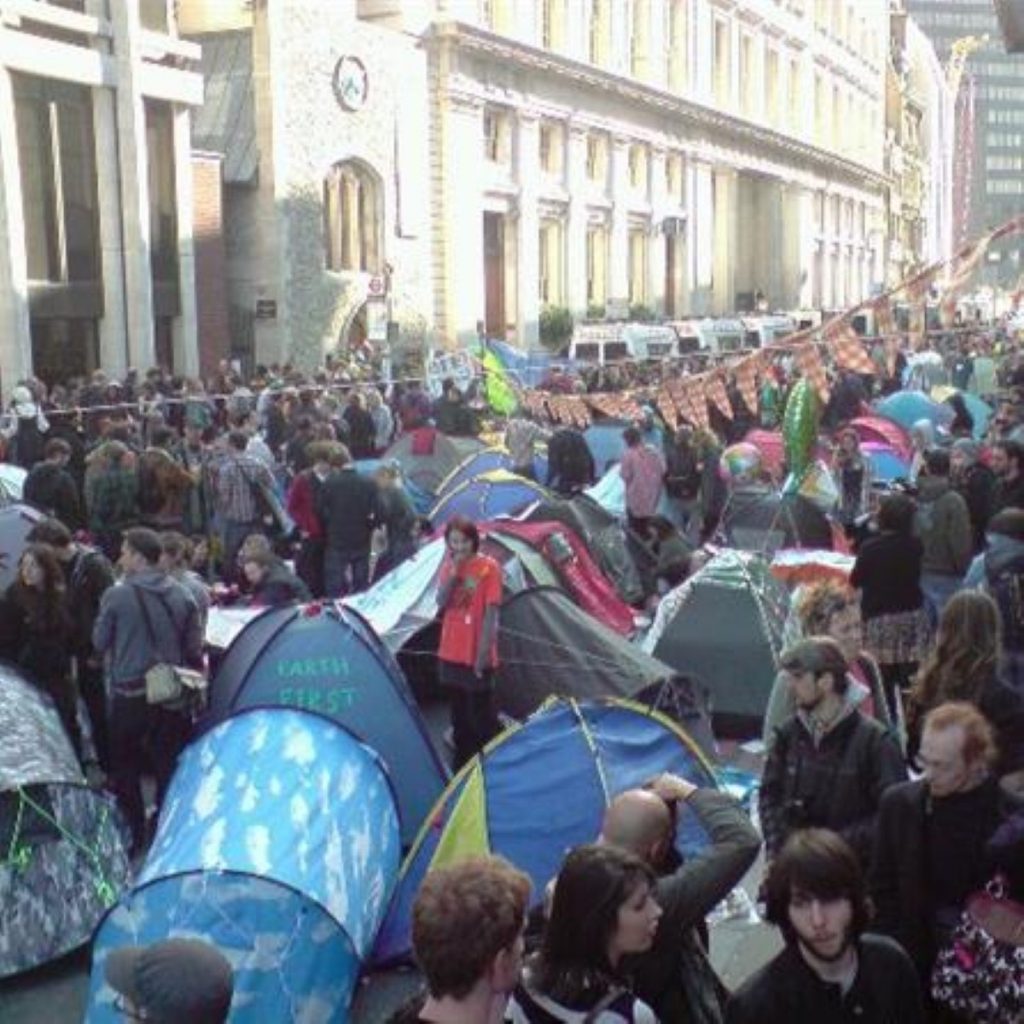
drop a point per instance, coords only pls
(50, 488)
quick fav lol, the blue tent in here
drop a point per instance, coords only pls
(610, 493)
(278, 844)
(513, 799)
(484, 461)
(907, 407)
(886, 464)
(326, 658)
(484, 497)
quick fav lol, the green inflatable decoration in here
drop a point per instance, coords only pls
(501, 396)
(800, 426)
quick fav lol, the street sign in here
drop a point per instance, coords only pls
(376, 285)
(266, 309)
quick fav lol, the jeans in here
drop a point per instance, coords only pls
(143, 737)
(345, 572)
(938, 589)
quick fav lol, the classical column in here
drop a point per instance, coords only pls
(700, 236)
(701, 31)
(576, 228)
(528, 271)
(725, 224)
(133, 167)
(186, 333)
(15, 334)
(656, 241)
(618, 284)
(466, 285)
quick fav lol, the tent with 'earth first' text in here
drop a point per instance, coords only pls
(327, 659)
(278, 843)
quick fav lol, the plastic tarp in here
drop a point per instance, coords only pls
(488, 496)
(511, 800)
(327, 659)
(63, 857)
(279, 844)
(12, 482)
(723, 627)
(16, 522)
(550, 647)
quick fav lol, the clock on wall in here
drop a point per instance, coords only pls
(351, 83)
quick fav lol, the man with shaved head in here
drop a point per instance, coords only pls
(675, 976)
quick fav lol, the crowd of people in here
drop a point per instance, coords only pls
(892, 786)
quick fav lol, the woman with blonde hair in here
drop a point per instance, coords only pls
(964, 665)
(831, 609)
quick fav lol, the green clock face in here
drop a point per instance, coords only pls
(351, 83)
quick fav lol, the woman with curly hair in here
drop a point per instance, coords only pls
(37, 631)
(831, 609)
(965, 666)
(603, 910)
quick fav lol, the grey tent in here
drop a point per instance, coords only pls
(548, 646)
(61, 843)
(16, 522)
(724, 627)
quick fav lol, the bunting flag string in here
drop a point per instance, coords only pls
(746, 371)
(667, 408)
(847, 348)
(714, 390)
(808, 360)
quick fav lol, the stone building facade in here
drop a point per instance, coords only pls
(321, 118)
(96, 253)
(689, 156)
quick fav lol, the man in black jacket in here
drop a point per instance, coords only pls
(828, 764)
(930, 850)
(675, 977)
(1008, 466)
(830, 970)
(348, 505)
(50, 488)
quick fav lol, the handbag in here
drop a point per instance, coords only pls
(167, 684)
(980, 972)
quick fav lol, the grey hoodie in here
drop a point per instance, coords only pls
(121, 634)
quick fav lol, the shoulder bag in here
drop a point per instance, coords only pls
(167, 684)
(980, 972)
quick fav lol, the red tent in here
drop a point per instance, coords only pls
(884, 431)
(576, 569)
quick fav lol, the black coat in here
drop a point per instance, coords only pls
(787, 991)
(899, 868)
(835, 784)
(888, 574)
(51, 489)
(978, 487)
(349, 507)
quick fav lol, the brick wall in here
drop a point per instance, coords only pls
(211, 279)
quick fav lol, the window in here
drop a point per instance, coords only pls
(597, 158)
(638, 167)
(600, 31)
(677, 41)
(637, 266)
(57, 155)
(722, 70)
(497, 137)
(793, 99)
(552, 145)
(597, 265)
(771, 87)
(674, 179)
(153, 15)
(494, 14)
(163, 219)
(820, 113)
(748, 82)
(553, 24)
(639, 39)
(1005, 187)
(352, 218)
(551, 263)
